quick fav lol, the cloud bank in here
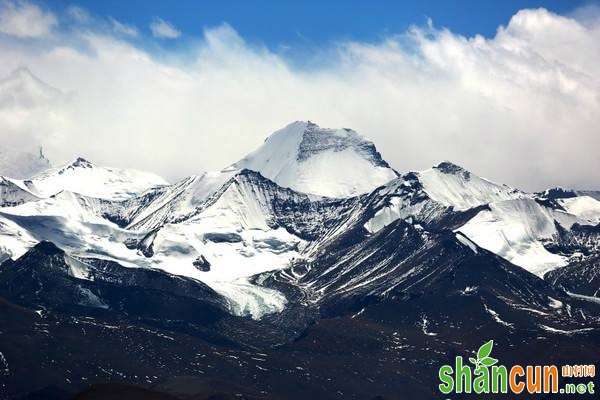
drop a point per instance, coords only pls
(521, 107)
(25, 20)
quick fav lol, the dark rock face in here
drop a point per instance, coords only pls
(366, 337)
(557, 193)
(145, 245)
(122, 212)
(43, 278)
(584, 239)
(450, 168)
(78, 163)
(202, 264)
(223, 237)
(548, 198)
(293, 211)
(432, 266)
(316, 140)
(131, 243)
(580, 277)
(81, 163)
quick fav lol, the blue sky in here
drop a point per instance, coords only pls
(311, 22)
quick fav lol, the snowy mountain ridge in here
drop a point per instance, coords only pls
(314, 160)
(83, 177)
(305, 190)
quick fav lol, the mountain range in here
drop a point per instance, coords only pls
(310, 267)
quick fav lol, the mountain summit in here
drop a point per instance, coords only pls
(83, 177)
(326, 162)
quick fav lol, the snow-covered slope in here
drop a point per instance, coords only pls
(522, 230)
(15, 240)
(518, 226)
(516, 230)
(248, 225)
(232, 237)
(13, 192)
(236, 232)
(584, 207)
(69, 220)
(430, 194)
(315, 160)
(81, 176)
(592, 193)
(218, 232)
(453, 186)
(175, 202)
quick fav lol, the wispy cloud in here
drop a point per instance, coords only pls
(521, 107)
(123, 28)
(163, 29)
(79, 14)
(25, 20)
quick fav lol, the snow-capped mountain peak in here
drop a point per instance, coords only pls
(77, 163)
(80, 162)
(431, 194)
(449, 185)
(83, 177)
(321, 161)
(454, 186)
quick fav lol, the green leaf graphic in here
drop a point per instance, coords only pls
(485, 350)
(473, 361)
(488, 361)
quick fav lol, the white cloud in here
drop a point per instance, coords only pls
(163, 29)
(123, 28)
(25, 20)
(520, 108)
(79, 14)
